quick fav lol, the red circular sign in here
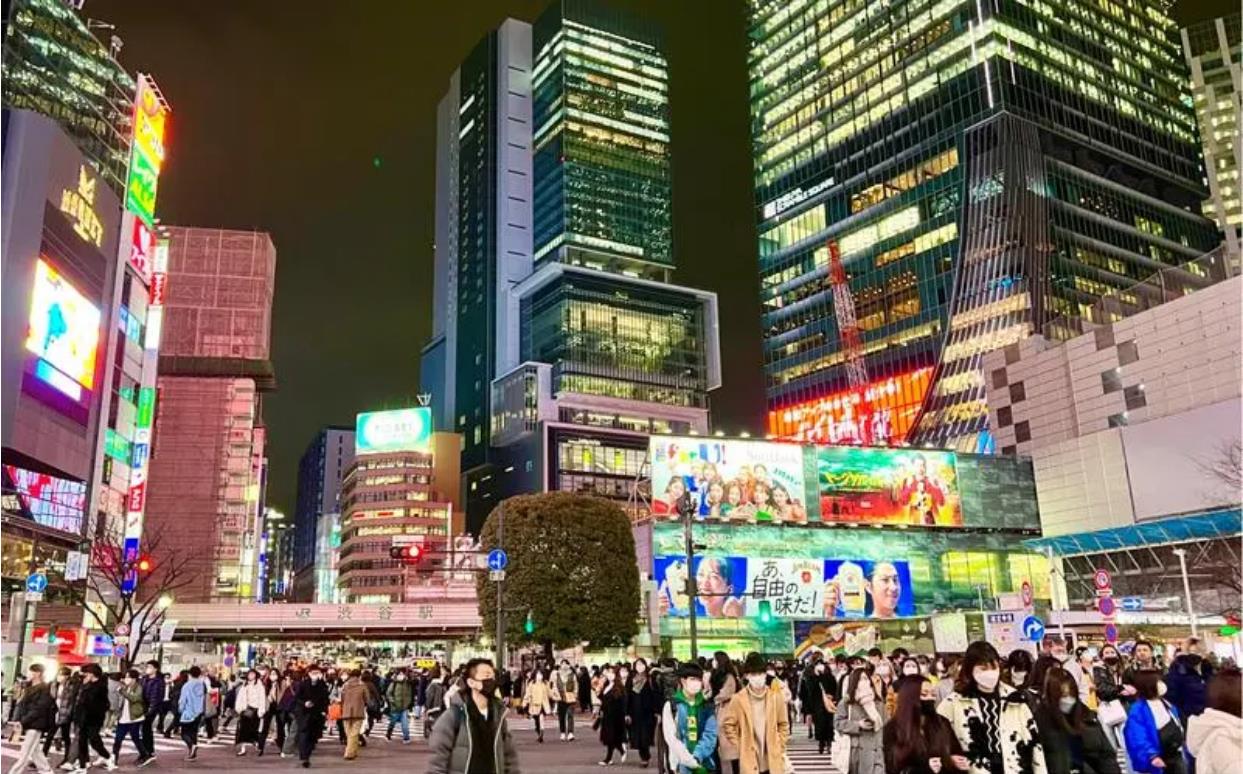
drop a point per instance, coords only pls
(1026, 590)
(1102, 580)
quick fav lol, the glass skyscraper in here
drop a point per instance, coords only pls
(601, 142)
(940, 178)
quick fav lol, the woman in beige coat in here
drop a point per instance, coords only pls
(757, 723)
(538, 700)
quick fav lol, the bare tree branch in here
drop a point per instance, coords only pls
(1225, 466)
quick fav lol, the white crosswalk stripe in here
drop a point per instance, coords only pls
(805, 755)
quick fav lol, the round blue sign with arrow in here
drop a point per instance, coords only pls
(36, 583)
(1033, 628)
(497, 559)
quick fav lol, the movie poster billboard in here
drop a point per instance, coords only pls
(795, 588)
(886, 486)
(728, 480)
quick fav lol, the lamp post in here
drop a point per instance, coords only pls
(1181, 553)
(164, 603)
(686, 507)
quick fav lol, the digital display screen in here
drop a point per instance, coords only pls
(63, 330)
(377, 432)
(888, 486)
(744, 481)
(53, 502)
(877, 414)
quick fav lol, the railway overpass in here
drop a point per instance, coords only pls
(428, 619)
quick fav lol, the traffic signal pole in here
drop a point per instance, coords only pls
(500, 609)
(685, 508)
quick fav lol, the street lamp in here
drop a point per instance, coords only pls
(1181, 553)
(163, 603)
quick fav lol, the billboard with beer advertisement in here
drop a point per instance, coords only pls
(888, 486)
(743, 481)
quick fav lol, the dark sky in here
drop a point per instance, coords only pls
(315, 121)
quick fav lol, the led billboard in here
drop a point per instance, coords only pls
(378, 432)
(63, 331)
(147, 152)
(876, 415)
(745, 481)
(888, 486)
(51, 501)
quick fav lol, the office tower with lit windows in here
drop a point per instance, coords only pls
(1213, 53)
(565, 344)
(320, 473)
(935, 180)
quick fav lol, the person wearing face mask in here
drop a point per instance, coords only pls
(724, 683)
(757, 725)
(612, 718)
(1154, 728)
(400, 697)
(1018, 672)
(822, 695)
(859, 721)
(537, 700)
(565, 686)
(993, 722)
(471, 736)
(191, 706)
(689, 725)
(36, 714)
(916, 739)
(1188, 680)
(310, 711)
(1072, 736)
(250, 702)
(129, 718)
(642, 704)
(435, 698)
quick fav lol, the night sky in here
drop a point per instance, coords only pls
(316, 122)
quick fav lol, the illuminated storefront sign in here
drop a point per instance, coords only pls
(79, 206)
(147, 153)
(881, 413)
(63, 330)
(802, 588)
(142, 245)
(377, 432)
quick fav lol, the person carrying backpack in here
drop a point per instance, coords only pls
(471, 736)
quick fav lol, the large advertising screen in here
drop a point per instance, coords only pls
(744, 481)
(378, 432)
(877, 414)
(793, 587)
(888, 486)
(63, 330)
(53, 502)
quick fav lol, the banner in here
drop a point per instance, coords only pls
(734, 586)
(746, 481)
(888, 487)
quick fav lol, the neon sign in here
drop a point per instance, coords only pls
(147, 151)
(880, 413)
(79, 205)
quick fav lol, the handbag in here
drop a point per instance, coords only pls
(1111, 713)
(839, 752)
(334, 711)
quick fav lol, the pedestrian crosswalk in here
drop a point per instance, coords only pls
(805, 757)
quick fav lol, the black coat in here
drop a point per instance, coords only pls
(314, 692)
(613, 717)
(1061, 747)
(92, 706)
(642, 705)
(37, 709)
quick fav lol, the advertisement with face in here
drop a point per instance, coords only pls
(744, 481)
(865, 589)
(721, 580)
(884, 486)
(64, 326)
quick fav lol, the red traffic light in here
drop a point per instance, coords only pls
(409, 554)
(144, 564)
(414, 552)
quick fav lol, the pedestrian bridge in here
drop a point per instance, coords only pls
(431, 618)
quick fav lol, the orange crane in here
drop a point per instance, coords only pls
(844, 310)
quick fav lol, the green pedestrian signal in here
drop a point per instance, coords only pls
(766, 612)
(529, 625)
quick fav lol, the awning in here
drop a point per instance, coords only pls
(1187, 528)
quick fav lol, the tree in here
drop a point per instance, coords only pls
(160, 569)
(572, 567)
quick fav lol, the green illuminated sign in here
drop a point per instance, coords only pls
(141, 185)
(146, 407)
(116, 447)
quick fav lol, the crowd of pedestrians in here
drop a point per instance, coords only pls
(1056, 712)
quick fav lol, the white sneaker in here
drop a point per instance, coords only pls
(96, 763)
(569, 737)
(625, 752)
(110, 764)
(563, 736)
(67, 766)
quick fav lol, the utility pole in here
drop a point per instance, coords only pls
(686, 508)
(1181, 553)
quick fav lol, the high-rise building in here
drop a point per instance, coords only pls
(939, 180)
(1213, 50)
(554, 253)
(320, 473)
(208, 466)
(391, 498)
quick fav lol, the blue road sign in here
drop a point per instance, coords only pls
(1033, 629)
(120, 650)
(1131, 604)
(497, 559)
(1111, 633)
(36, 583)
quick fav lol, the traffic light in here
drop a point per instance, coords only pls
(408, 554)
(143, 564)
(766, 612)
(529, 625)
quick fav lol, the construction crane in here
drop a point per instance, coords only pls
(844, 310)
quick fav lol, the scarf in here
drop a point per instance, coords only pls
(638, 682)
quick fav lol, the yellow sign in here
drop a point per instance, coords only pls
(79, 205)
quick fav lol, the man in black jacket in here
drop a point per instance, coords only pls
(310, 707)
(153, 699)
(36, 712)
(89, 716)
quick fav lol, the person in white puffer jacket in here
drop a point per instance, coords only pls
(250, 705)
(1215, 737)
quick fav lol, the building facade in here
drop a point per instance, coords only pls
(1215, 56)
(935, 181)
(556, 136)
(208, 469)
(320, 473)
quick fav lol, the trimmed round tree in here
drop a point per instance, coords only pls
(572, 567)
